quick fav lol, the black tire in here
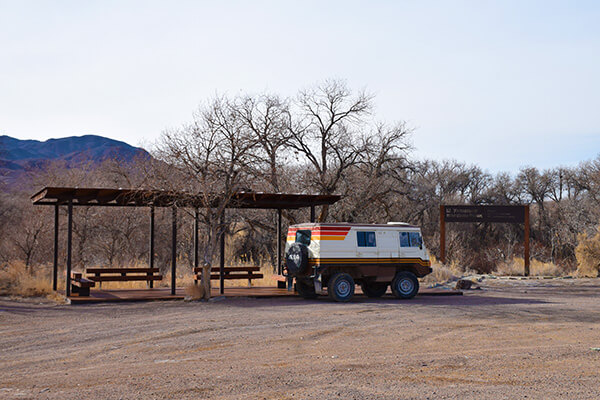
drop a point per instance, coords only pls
(306, 289)
(405, 285)
(374, 289)
(296, 259)
(341, 287)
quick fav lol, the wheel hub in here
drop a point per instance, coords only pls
(343, 288)
(406, 286)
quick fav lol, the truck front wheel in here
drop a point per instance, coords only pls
(374, 289)
(341, 287)
(405, 285)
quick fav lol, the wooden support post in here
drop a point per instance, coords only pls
(195, 244)
(174, 251)
(279, 241)
(526, 244)
(312, 213)
(151, 245)
(55, 264)
(222, 258)
(443, 234)
(69, 246)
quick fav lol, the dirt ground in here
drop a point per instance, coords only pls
(514, 339)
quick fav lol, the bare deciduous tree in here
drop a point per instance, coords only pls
(267, 120)
(322, 141)
(213, 155)
(327, 132)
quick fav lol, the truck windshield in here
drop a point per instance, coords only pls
(303, 237)
(410, 239)
(415, 239)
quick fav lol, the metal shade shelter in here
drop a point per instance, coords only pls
(109, 197)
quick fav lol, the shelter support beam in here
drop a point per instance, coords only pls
(151, 244)
(55, 261)
(442, 234)
(526, 244)
(312, 213)
(174, 251)
(69, 246)
(278, 269)
(222, 258)
(196, 261)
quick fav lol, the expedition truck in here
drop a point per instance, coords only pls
(340, 255)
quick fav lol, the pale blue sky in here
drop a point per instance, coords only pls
(498, 83)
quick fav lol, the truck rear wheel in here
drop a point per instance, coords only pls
(405, 285)
(306, 289)
(341, 287)
(374, 289)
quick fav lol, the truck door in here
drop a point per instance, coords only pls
(366, 244)
(387, 244)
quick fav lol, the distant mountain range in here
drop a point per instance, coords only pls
(20, 155)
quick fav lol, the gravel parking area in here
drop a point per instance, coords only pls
(531, 339)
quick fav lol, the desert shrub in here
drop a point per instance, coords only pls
(587, 253)
(17, 280)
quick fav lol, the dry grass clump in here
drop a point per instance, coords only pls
(443, 273)
(587, 253)
(536, 268)
(269, 277)
(184, 278)
(16, 280)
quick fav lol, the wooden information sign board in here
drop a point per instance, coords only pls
(507, 214)
(484, 214)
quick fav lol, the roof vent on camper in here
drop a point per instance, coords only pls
(398, 223)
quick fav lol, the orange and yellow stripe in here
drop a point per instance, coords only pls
(322, 233)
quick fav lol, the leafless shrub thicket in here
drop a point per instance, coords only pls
(325, 140)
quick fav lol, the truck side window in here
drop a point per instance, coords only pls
(366, 239)
(415, 239)
(303, 237)
(404, 240)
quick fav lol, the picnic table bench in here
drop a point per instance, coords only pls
(101, 274)
(243, 272)
(80, 286)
